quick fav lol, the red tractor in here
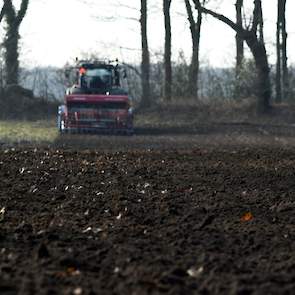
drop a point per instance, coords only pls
(97, 103)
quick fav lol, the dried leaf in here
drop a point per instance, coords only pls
(97, 230)
(94, 230)
(247, 217)
(193, 272)
(88, 229)
(72, 271)
(2, 213)
(78, 291)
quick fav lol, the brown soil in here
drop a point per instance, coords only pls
(149, 215)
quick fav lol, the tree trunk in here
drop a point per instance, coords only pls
(239, 50)
(279, 58)
(13, 20)
(282, 75)
(145, 63)
(261, 23)
(239, 40)
(195, 29)
(11, 55)
(284, 52)
(263, 78)
(167, 54)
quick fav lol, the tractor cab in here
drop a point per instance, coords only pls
(98, 78)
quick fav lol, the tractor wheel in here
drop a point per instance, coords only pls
(61, 127)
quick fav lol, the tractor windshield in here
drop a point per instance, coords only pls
(97, 79)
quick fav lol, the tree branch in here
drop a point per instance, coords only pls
(133, 68)
(256, 15)
(238, 28)
(190, 15)
(2, 11)
(22, 11)
(9, 11)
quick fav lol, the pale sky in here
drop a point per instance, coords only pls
(56, 31)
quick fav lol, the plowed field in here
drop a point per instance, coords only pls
(148, 216)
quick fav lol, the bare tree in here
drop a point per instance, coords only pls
(167, 53)
(239, 40)
(254, 38)
(260, 21)
(282, 75)
(13, 19)
(195, 29)
(145, 63)
(239, 89)
(1, 55)
(144, 72)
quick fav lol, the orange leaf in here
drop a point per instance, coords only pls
(72, 271)
(247, 217)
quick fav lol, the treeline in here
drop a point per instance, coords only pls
(213, 83)
(250, 34)
(166, 79)
(16, 101)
